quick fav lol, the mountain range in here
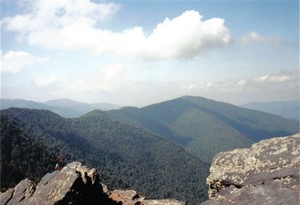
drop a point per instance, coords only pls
(161, 150)
(64, 107)
(69, 108)
(205, 127)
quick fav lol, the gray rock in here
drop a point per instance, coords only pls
(266, 173)
(15, 195)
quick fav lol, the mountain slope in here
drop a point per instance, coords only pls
(21, 156)
(255, 125)
(286, 109)
(125, 156)
(205, 127)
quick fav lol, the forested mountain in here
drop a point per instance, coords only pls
(287, 109)
(125, 156)
(21, 156)
(205, 127)
(64, 107)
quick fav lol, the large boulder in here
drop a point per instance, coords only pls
(266, 173)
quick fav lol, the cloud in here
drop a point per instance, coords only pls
(254, 37)
(186, 36)
(43, 81)
(276, 82)
(277, 78)
(47, 21)
(74, 24)
(15, 61)
(44, 14)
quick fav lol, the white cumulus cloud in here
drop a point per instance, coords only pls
(48, 23)
(186, 36)
(15, 61)
(76, 24)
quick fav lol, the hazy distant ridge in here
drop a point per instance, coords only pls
(64, 107)
(287, 109)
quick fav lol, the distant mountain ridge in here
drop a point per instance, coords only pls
(205, 127)
(202, 126)
(287, 109)
(64, 107)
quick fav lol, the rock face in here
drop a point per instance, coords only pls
(74, 184)
(266, 173)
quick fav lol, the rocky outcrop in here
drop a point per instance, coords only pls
(266, 173)
(74, 184)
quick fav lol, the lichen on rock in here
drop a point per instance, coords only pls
(266, 173)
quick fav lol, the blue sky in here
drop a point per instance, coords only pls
(142, 52)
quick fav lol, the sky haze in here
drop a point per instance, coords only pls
(142, 52)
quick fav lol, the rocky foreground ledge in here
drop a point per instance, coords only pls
(266, 173)
(74, 184)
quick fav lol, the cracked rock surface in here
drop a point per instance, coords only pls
(266, 173)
